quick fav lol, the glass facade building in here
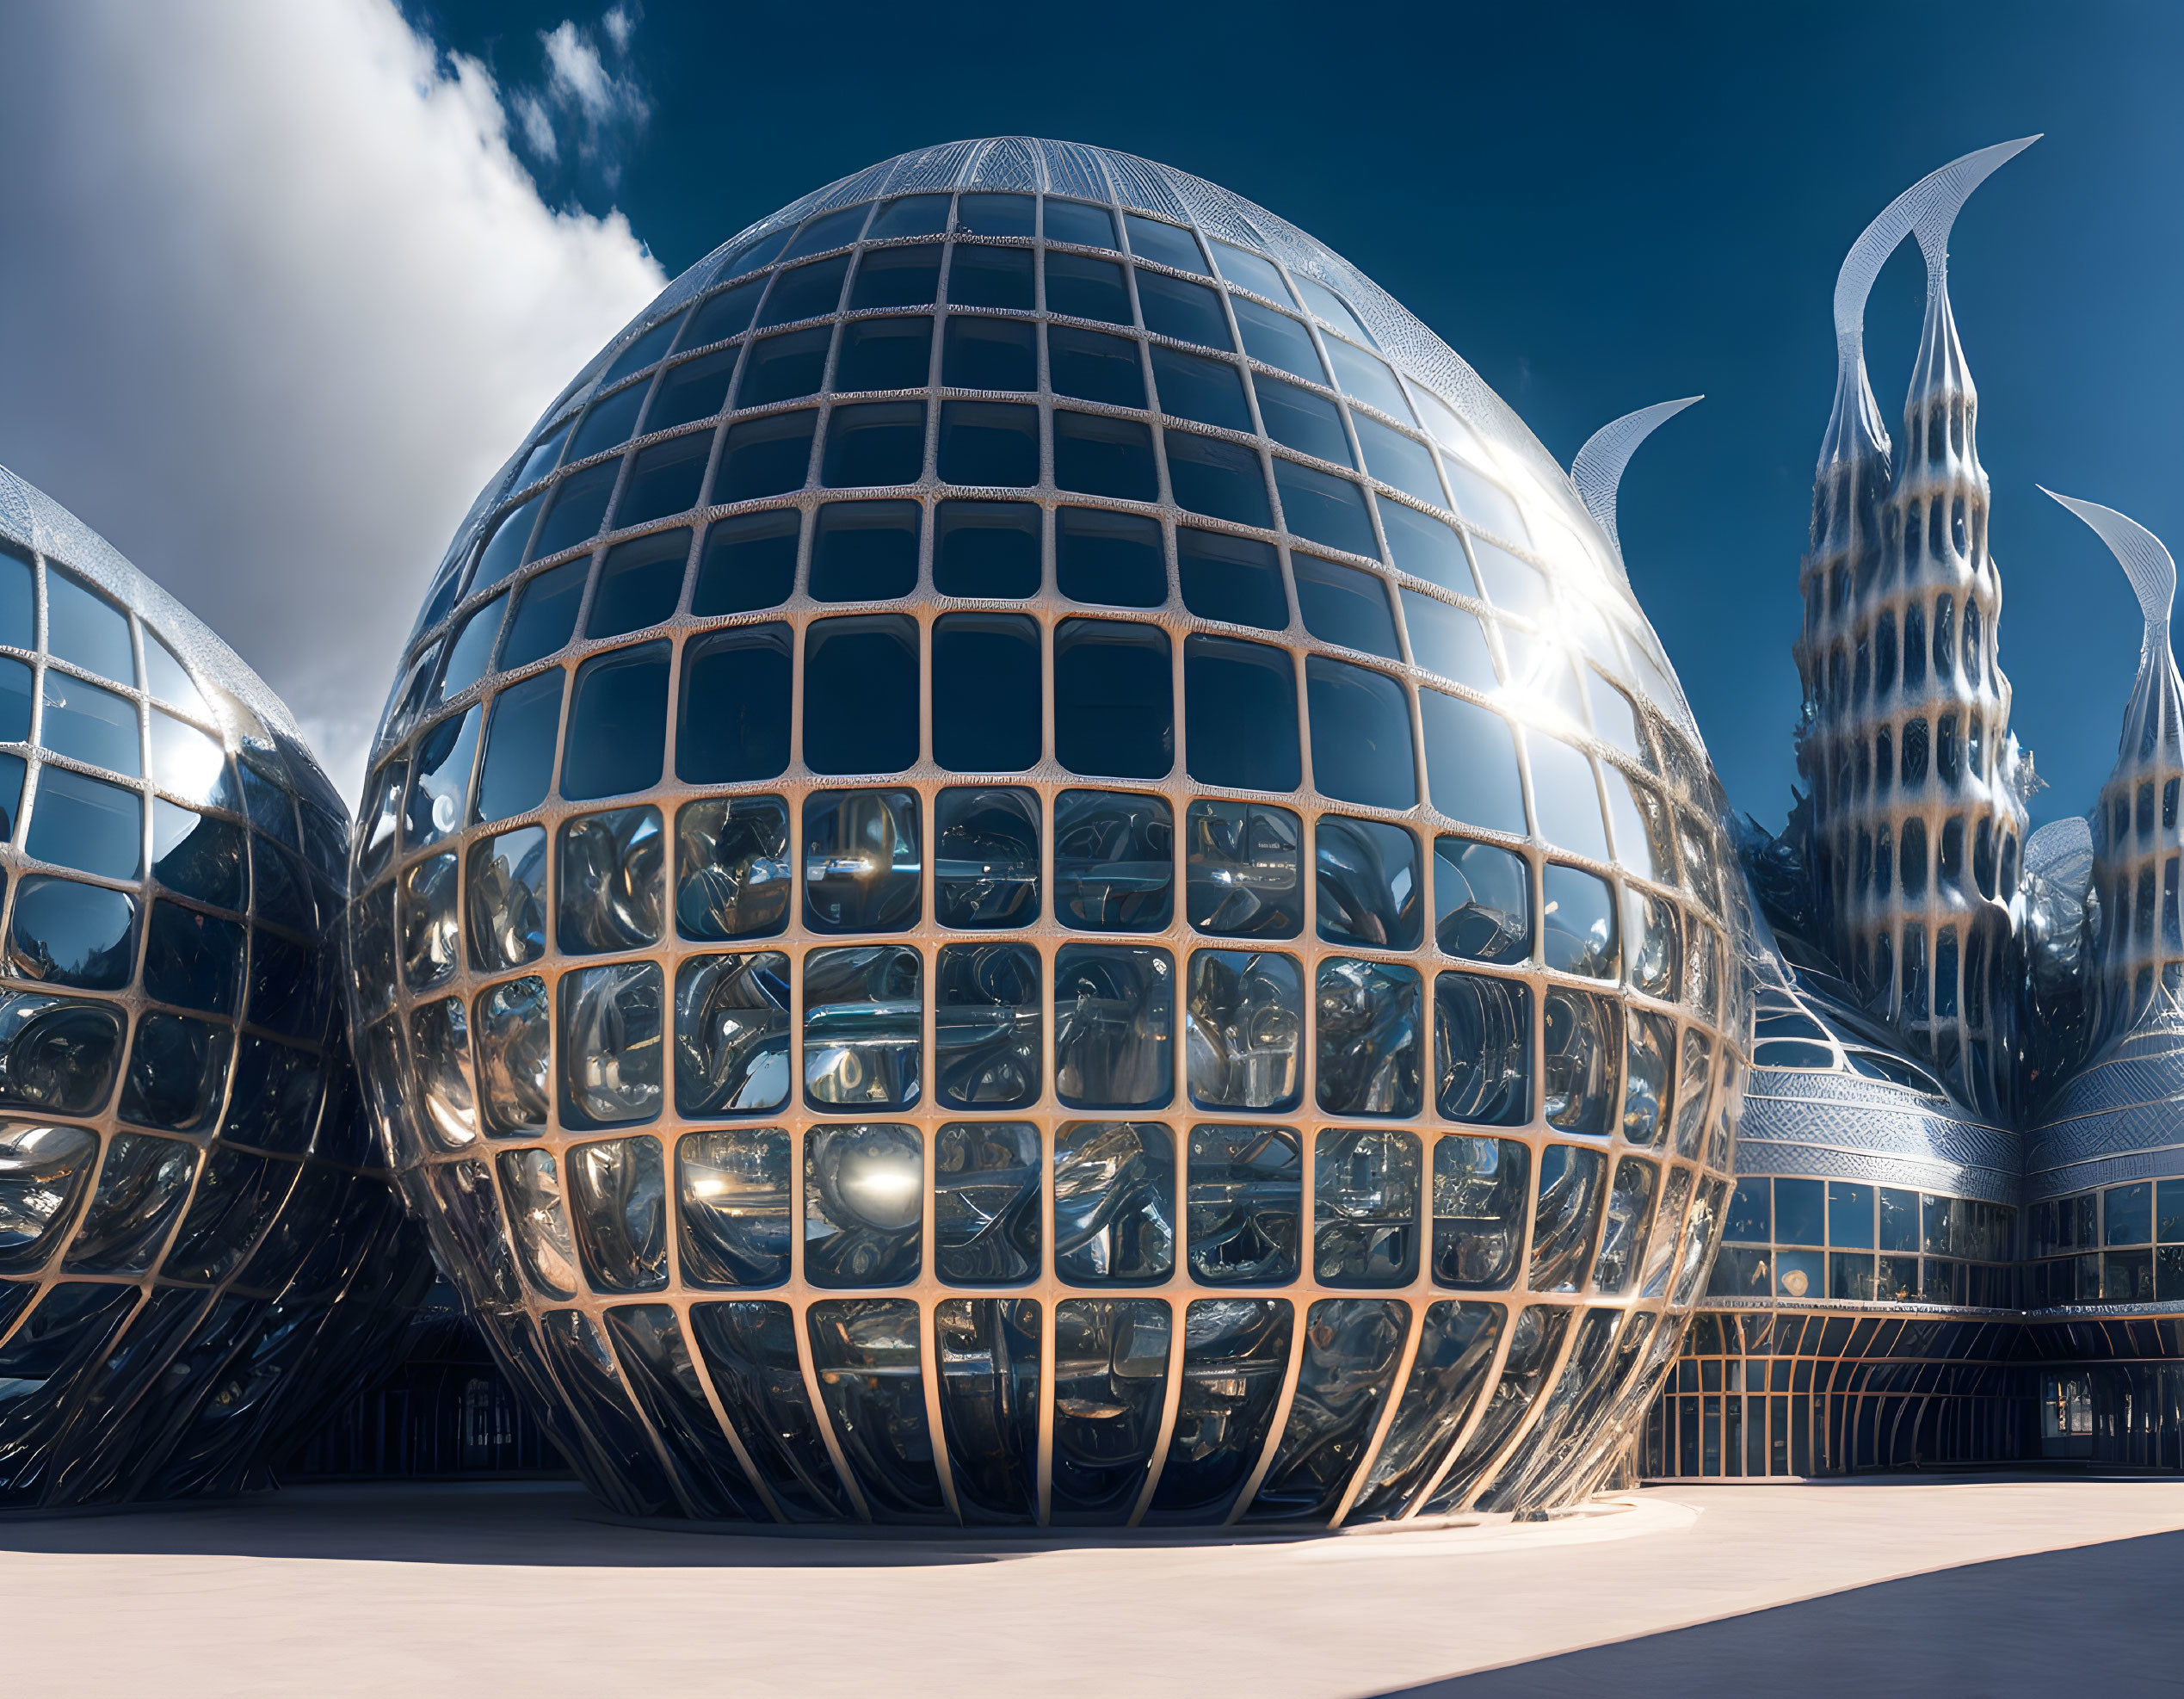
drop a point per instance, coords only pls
(199, 1249)
(1030, 864)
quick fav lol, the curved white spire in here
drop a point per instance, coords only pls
(2145, 560)
(1598, 470)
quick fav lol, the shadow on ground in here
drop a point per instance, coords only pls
(2098, 1620)
(536, 1523)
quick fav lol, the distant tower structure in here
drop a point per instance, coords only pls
(1917, 813)
(2136, 841)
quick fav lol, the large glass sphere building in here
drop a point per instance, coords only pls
(1032, 865)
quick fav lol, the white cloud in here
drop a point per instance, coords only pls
(538, 125)
(620, 26)
(278, 299)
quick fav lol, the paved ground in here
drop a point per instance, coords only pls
(2015, 1586)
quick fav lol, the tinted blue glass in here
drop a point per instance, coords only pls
(1164, 244)
(986, 548)
(765, 457)
(1398, 459)
(645, 351)
(986, 701)
(545, 615)
(996, 214)
(67, 934)
(989, 444)
(898, 277)
(579, 504)
(1333, 308)
(1426, 548)
(781, 368)
(87, 824)
(1470, 762)
(837, 228)
(1365, 379)
(1222, 481)
(1361, 735)
(1248, 271)
(609, 422)
(1113, 708)
(749, 563)
(193, 961)
(1240, 714)
(1114, 861)
(1095, 366)
(1297, 419)
(1104, 457)
(1192, 386)
(885, 353)
(1190, 312)
(991, 354)
(15, 701)
(874, 443)
(617, 723)
(640, 583)
(1326, 509)
(471, 651)
(665, 478)
(545, 455)
(864, 550)
(199, 856)
(440, 778)
(1087, 288)
(1344, 605)
(1231, 578)
(1117, 558)
(1565, 796)
(12, 770)
(1085, 226)
(520, 738)
(177, 1072)
(912, 215)
(1447, 640)
(735, 714)
(18, 609)
(189, 763)
(861, 695)
(804, 291)
(85, 628)
(504, 550)
(724, 315)
(991, 277)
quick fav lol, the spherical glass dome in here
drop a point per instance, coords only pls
(1030, 865)
(199, 1247)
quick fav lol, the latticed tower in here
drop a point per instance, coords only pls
(2135, 837)
(1916, 781)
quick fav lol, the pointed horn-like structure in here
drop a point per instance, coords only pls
(1931, 208)
(2146, 562)
(1598, 470)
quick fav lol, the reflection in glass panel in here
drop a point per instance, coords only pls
(439, 779)
(1482, 901)
(142, 1186)
(1244, 1024)
(733, 869)
(44, 1173)
(1584, 1043)
(988, 1375)
(862, 868)
(1483, 1049)
(1481, 1192)
(1114, 699)
(750, 1350)
(1656, 943)
(1236, 579)
(520, 738)
(611, 1029)
(1695, 1076)
(440, 1046)
(748, 563)
(87, 824)
(1579, 935)
(1114, 861)
(985, 858)
(1114, 1202)
(545, 615)
(640, 582)
(1471, 763)
(1370, 894)
(1630, 1217)
(507, 906)
(613, 881)
(1243, 870)
(84, 628)
(1456, 1346)
(864, 550)
(1244, 1197)
(863, 1027)
(986, 548)
(67, 934)
(1649, 1078)
(732, 1033)
(531, 1189)
(709, 1475)
(987, 1011)
(1110, 1386)
(1352, 1349)
(1240, 705)
(618, 1197)
(90, 725)
(865, 1352)
(1236, 1353)
(1361, 723)
(1114, 1019)
(617, 723)
(1087, 288)
(1368, 1023)
(864, 1198)
(1535, 1345)
(734, 1189)
(1365, 1188)
(986, 1197)
(1561, 1237)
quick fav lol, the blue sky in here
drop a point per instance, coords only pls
(1599, 206)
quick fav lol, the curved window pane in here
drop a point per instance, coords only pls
(1471, 763)
(748, 563)
(1113, 706)
(987, 709)
(640, 584)
(1237, 579)
(861, 706)
(1093, 365)
(1104, 457)
(1565, 795)
(1361, 735)
(873, 443)
(891, 354)
(1210, 392)
(1324, 509)
(1117, 558)
(1222, 481)
(990, 354)
(1298, 419)
(1345, 605)
(986, 548)
(1278, 339)
(864, 550)
(1240, 708)
(1190, 312)
(765, 457)
(618, 713)
(520, 739)
(545, 615)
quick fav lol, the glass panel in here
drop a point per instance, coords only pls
(1630, 1217)
(1584, 1045)
(83, 628)
(429, 929)
(987, 711)
(1481, 1190)
(986, 1203)
(864, 1199)
(67, 934)
(1114, 861)
(1367, 1030)
(58, 1056)
(1114, 712)
(1345, 606)
(1482, 1048)
(1222, 481)
(1102, 456)
(732, 867)
(199, 856)
(1561, 1237)
(1190, 312)
(769, 456)
(1114, 1016)
(901, 276)
(986, 444)
(987, 1027)
(85, 824)
(1244, 1195)
(1243, 869)
(90, 725)
(986, 548)
(1206, 392)
(748, 563)
(613, 881)
(610, 1043)
(1648, 1093)
(1277, 339)
(989, 354)
(986, 858)
(143, 1185)
(1114, 1202)
(1455, 1354)
(749, 1350)
(862, 870)
(1093, 365)
(1360, 724)
(999, 277)
(44, 1173)
(1231, 578)
(640, 583)
(1117, 558)
(1298, 419)
(618, 1198)
(1244, 1024)
(514, 1039)
(861, 695)
(1236, 1356)
(1087, 288)
(1471, 763)
(731, 1035)
(866, 1354)
(863, 1027)
(1323, 508)
(735, 1191)
(874, 443)
(1369, 890)
(192, 765)
(1352, 1349)
(545, 615)
(1240, 701)
(1087, 226)
(912, 215)
(804, 291)
(1111, 1380)
(696, 389)
(733, 724)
